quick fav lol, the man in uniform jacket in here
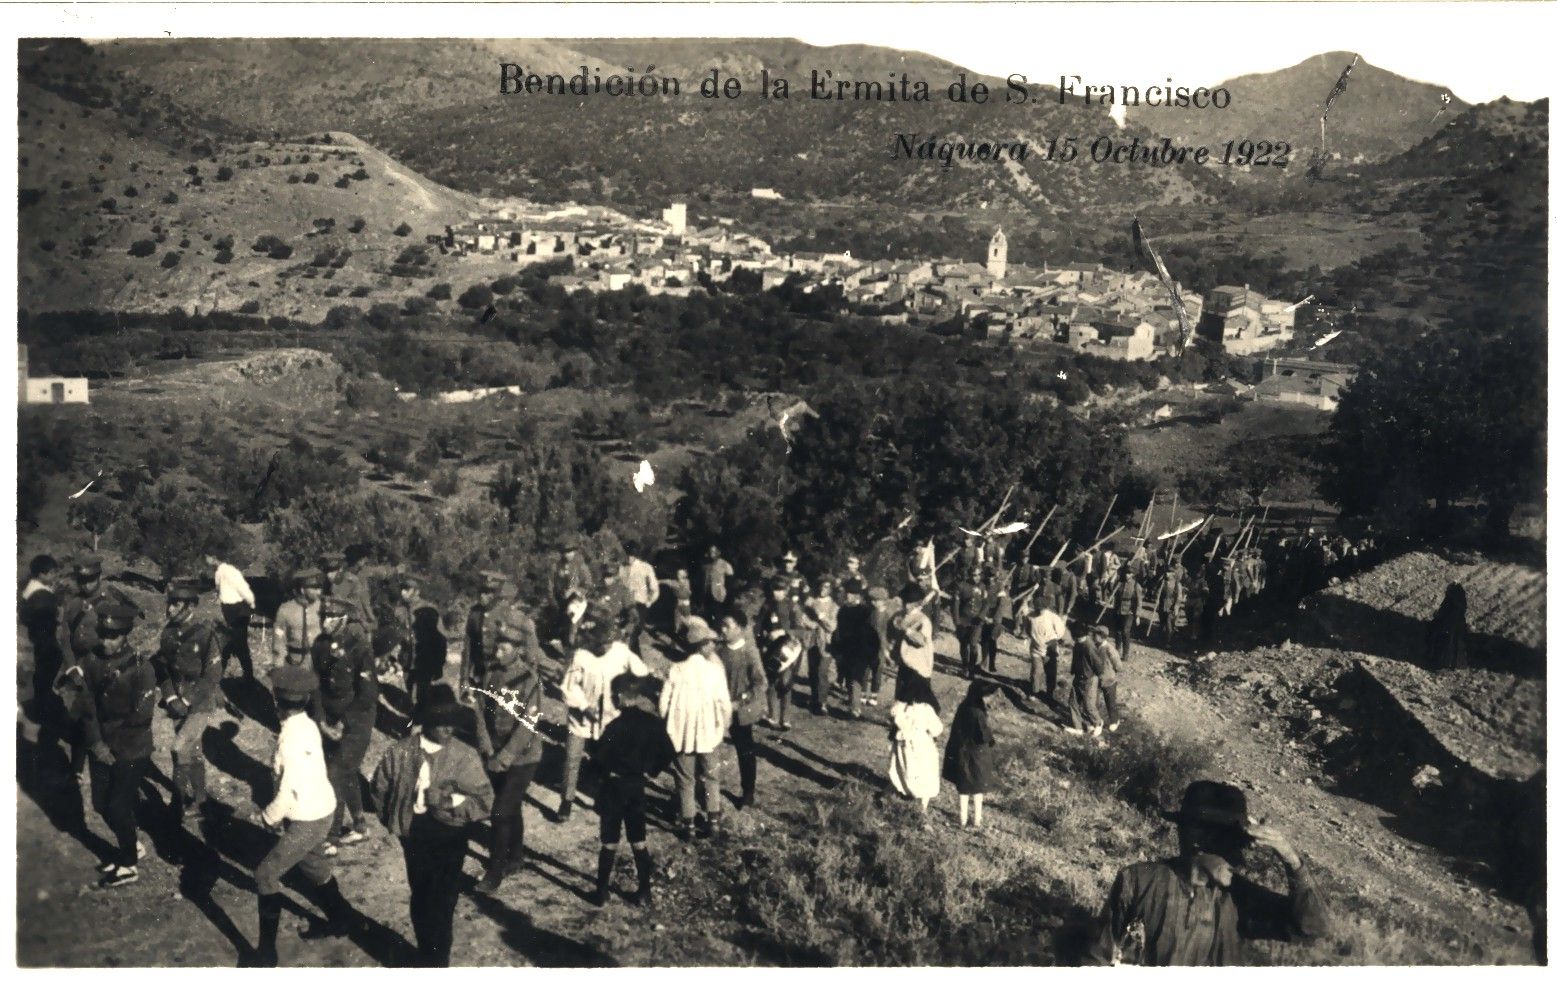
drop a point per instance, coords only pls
(189, 669)
(973, 608)
(1197, 908)
(644, 588)
(117, 705)
(1128, 603)
(778, 637)
(423, 646)
(480, 630)
(508, 714)
(345, 706)
(632, 749)
(571, 584)
(429, 789)
(748, 687)
(78, 639)
(297, 619)
(342, 581)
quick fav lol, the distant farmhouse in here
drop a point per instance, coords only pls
(1304, 382)
(48, 389)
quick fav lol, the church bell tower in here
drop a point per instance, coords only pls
(996, 263)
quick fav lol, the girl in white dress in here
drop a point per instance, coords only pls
(916, 724)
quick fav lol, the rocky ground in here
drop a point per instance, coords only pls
(1273, 719)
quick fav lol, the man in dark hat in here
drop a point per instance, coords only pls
(117, 705)
(778, 627)
(613, 599)
(423, 646)
(302, 812)
(855, 643)
(508, 713)
(189, 670)
(78, 638)
(570, 584)
(342, 581)
(480, 630)
(1196, 908)
(429, 789)
(298, 620)
(631, 750)
(345, 706)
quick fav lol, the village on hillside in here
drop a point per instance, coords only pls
(1086, 307)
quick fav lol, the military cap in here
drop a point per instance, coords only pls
(333, 561)
(1210, 802)
(566, 545)
(698, 632)
(333, 606)
(854, 586)
(408, 580)
(511, 625)
(293, 682)
(778, 584)
(88, 568)
(492, 581)
(115, 618)
(877, 594)
(308, 577)
(183, 591)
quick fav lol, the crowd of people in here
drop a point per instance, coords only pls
(339, 662)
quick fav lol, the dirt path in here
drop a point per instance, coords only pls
(541, 918)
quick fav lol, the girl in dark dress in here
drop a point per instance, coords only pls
(970, 751)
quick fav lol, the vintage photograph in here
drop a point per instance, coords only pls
(864, 498)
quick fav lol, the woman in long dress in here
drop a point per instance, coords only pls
(916, 724)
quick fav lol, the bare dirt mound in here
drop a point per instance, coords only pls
(1386, 611)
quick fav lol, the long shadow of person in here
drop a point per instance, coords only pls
(251, 699)
(770, 753)
(582, 888)
(57, 793)
(543, 948)
(222, 753)
(855, 771)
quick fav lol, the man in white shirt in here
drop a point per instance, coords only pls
(237, 601)
(302, 812)
(638, 575)
(1046, 633)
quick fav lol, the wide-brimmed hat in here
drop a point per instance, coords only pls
(333, 561)
(1213, 803)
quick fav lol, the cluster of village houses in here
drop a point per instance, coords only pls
(1085, 306)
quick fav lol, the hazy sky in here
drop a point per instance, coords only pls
(1479, 50)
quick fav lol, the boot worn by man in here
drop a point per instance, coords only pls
(269, 923)
(339, 915)
(645, 862)
(603, 871)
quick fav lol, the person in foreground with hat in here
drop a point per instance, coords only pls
(429, 788)
(695, 704)
(345, 706)
(302, 811)
(508, 714)
(118, 702)
(1197, 908)
(586, 689)
(189, 671)
(633, 748)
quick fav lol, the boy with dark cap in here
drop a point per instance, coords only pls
(633, 748)
(189, 670)
(429, 789)
(1196, 908)
(302, 812)
(345, 706)
(480, 625)
(748, 687)
(856, 643)
(508, 714)
(117, 705)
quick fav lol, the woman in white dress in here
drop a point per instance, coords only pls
(916, 723)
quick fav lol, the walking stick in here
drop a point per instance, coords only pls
(1034, 538)
(1106, 514)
